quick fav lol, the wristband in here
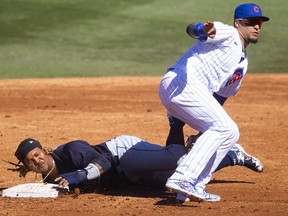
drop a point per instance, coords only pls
(202, 38)
(198, 30)
(76, 177)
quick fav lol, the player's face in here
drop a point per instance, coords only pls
(37, 160)
(249, 29)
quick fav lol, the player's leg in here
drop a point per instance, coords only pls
(236, 156)
(144, 158)
(149, 163)
(192, 104)
(240, 157)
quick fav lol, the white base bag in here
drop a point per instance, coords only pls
(40, 190)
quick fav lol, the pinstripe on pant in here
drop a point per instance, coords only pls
(194, 104)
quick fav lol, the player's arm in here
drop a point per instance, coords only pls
(81, 154)
(201, 31)
(176, 135)
(92, 171)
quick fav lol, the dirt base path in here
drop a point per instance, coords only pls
(55, 111)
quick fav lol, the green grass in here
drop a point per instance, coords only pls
(65, 38)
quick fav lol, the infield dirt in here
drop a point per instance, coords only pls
(55, 111)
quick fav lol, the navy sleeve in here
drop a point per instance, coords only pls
(80, 153)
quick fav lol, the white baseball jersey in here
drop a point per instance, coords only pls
(216, 63)
(214, 66)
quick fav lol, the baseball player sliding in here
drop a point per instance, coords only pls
(195, 87)
(123, 157)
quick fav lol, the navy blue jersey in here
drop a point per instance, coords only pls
(77, 154)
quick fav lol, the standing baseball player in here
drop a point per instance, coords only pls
(194, 88)
(128, 157)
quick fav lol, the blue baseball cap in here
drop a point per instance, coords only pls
(249, 10)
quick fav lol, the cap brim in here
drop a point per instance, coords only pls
(263, 18)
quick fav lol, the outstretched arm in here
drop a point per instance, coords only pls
(81, 162)
(92, 171)
(201, 31)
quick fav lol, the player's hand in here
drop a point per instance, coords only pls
(71, 178)
(210, 29)
(62, 182)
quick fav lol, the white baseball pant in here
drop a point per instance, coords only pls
(195, 105)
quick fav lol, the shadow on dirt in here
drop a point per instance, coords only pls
(229, 182)
(142, 190)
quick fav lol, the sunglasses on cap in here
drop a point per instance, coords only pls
(252, 22)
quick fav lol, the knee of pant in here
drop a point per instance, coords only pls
(234, 131)
(230, 131)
